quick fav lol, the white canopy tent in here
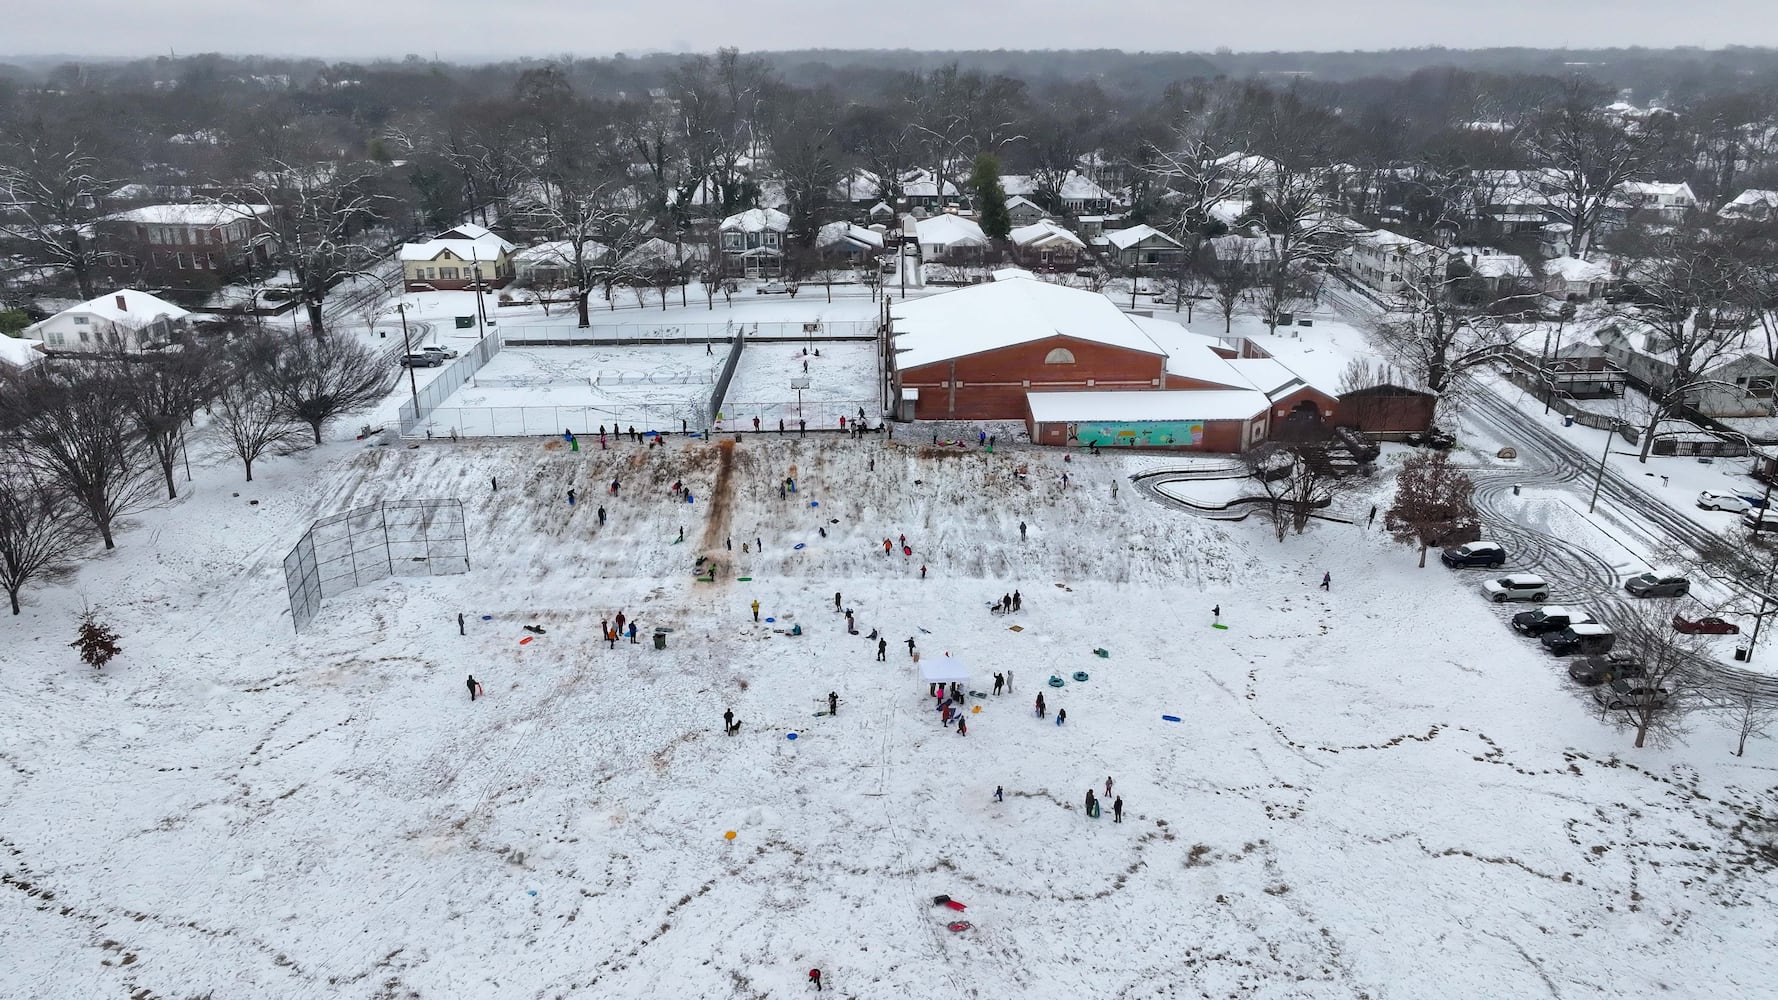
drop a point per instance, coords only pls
(943, 670)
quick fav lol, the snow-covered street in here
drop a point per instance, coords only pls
(1372, 791)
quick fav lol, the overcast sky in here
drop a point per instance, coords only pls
(459, 29)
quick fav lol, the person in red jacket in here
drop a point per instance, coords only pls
(815, 977)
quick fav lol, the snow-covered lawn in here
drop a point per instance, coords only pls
(1372, 791)
(842, 379)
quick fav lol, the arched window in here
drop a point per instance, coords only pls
(1059, 356)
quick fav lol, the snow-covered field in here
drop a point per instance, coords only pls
(1375, 791)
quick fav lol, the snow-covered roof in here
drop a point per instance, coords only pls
(1385, 240)
(466, 242)
(949, 230)
(19, 352)
(1751, 201)
(1250, 249)
(1075, 187)
(836, 232)
(999, 314)
(757, 220)
(1227, 210)
(1268, 375)
(1575, 269)
(1124, 239)
(558, 252)
(1655, 189)
(1020, 201)
(1041, 232)
(125, 307)
(1087, 407)
(1195, 360)
(1500, 265)
(191, 215)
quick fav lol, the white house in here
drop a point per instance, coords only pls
(1389, 262)
(950, 236)
(1078, 194)
(18, 353)
(1023, 211)
(1574, 279)
(552, 263)
(753, 242)
(1143, 246)
(1046, 246)
(457, 259)
(1752, 204)
(123, 320)
(1253, 256)
(847, 241)
(1654, 199)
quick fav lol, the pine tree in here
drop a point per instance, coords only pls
(990, 198)
(97, 643)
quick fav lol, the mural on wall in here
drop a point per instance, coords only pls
(1140, 434)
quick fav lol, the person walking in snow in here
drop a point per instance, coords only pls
(1015, 600)
(833, 703)
(1009, 682)
(1326, 578)
(756, 611)
(1021, 531)
(999, 794)
(850, 630)
(632, 632)
(910, 645)
(728, 721)
(1108, 784)
(756, 425)
(922, 572)
(815, 977)
(998, 681)
(885, 546)
(962, 724)
(1061, 716)
(1117, 809)
(981, 438)
(620, 621)
(802, 428)
(882, 650)
(1040, 704)
(475, 687)
(570, 496)
(1090, 802)
(1006, 601)
(611, 639)
(460, 624)
(836, 600)
(601, 517)
(614, 485)
(1216, 613)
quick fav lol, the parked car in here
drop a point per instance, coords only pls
(1724, 501)
(774, 288)
(1516, 587)
(1708, 625)
(1658, 585)
(887, 266)
(1587, 638)
(1547, 619)
(1489, 554)
(1592, 671)
(1623, 694)
(422, 359)
(1432, 437)
(443, 352)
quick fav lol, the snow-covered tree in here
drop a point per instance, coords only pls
(316, 230)
(1585, 156)
(49, 193)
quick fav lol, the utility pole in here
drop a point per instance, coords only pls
(408, 348)
(1600, 478)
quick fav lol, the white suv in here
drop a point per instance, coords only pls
(1516, 587)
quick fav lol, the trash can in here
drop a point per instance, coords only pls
(1516, 488)
(660, 640)
(1567, 421)
(1742, 653)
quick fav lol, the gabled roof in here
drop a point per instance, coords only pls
(559, 252)
(1750, 201)
(1575, 269)
(1124, 239)
(756, 220)
(948, 229)
(1041, 233)
(20, 353)
(466, 242)
(191, 215)
(126, 307)
(846, 232)
(1004, 313)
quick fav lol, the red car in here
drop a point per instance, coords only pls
(1704, 626)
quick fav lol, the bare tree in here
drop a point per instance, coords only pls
(1201, 164)
(316, 230)
(164, 390)
(50, 191)
(1297, 484)
(1654, 705)
(249, 417)
(76, 434)
(1433, 502)
(1230, 281)
(313, 381)
(37, 535)
(1443, 330)
(1750, 715)
(1585, 157)
(1288, 199)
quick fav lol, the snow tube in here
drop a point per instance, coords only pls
(1169, 718)
(771, 619)
(798, 545)
(907, 550)
(688, 496)
(1055, 681)
(1080, 675)
(958, 926)
(487, 618)
(790, 736)
(526, 639)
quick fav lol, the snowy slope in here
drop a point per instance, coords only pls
(1375, 791)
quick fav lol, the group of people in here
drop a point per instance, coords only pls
(950, 706)
(612, 629)
(1117, 804)
(1008, 603)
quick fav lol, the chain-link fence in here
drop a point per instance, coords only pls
(537, 334)
(448, 381)
(366, 544)
(817, 414)
(583, 421)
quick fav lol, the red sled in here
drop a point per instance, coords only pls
(953, 904)
(961, 925)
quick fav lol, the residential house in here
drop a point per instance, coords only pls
(1390, 263)
(1574, 280)
(951, 238)
(1256, 257)
(1582, 371)
(848, 244)
(1649, 201)
(1077, 195)
(753, 242)
(922, 195)
(1499, 274)
(1143, 248)
(1045, 246)
(1742, 386)
(1751, 205)
(457, 259)
(1023, 211)
(552, 264)
(19, 354)
(1508, 202)
(198, 247)
(124, 320)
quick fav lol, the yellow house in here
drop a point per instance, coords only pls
(455, 260)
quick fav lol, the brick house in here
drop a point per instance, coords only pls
(196, 247)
